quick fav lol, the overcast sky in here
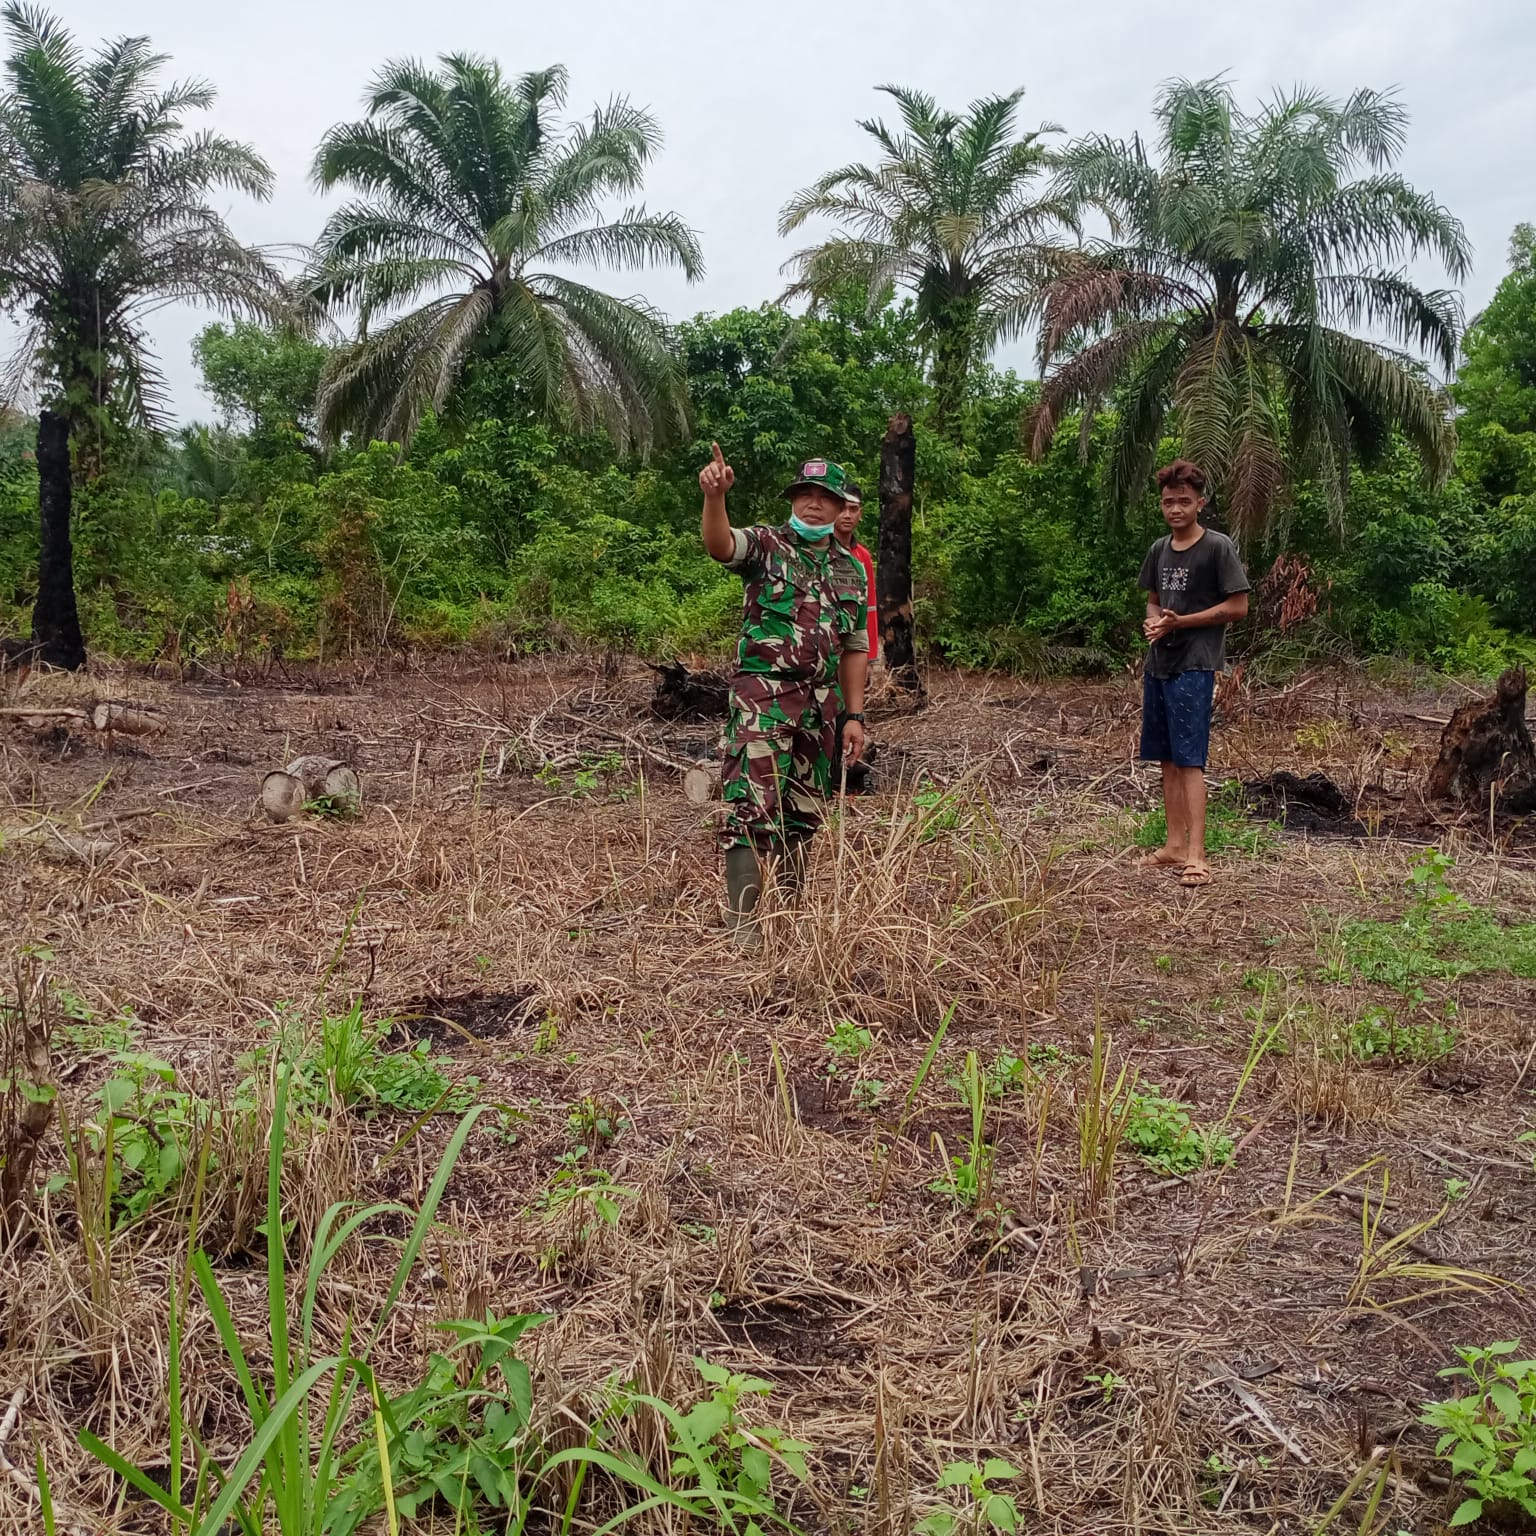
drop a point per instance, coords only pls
(757, 99)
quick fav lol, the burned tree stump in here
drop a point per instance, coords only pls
(1486, 750)
(684, 695)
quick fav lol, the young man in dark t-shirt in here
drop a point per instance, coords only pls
(1195, 586)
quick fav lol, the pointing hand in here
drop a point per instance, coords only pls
(717, 477)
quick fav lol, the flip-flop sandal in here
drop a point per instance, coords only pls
(1191, 879)
(1151, 861)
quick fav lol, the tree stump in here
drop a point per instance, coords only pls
(701, 785)
(684, 695)
(1486, 752)
(308, 780)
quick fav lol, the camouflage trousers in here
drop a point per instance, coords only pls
(777, 764)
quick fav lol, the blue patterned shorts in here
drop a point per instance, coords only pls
(1176, 718)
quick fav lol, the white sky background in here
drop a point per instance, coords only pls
(757, 99)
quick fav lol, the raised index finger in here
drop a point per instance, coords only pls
(719, 457)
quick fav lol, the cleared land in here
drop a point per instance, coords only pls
(1166, 1319)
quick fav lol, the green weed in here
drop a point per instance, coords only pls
(347, 1062)
(463, 1436)
(1440, 936)
(1164, 1135)
(1380, 1033)
(288, 1467)
(711, 1443)
(1488, 1430)
(983, 1509)
(968, 1176)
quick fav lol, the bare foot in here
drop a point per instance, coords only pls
(1196, 873)
(1164, 858)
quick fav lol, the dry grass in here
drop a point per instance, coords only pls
(1106, 1327)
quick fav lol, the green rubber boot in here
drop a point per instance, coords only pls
(743, 885)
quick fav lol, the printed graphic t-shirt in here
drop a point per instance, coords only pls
(1189, 581)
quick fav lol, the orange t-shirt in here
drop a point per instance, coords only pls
(867, 560)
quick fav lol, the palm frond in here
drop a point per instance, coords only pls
(379, 389)
(633, 239)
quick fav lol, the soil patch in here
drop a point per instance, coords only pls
(476, 1016)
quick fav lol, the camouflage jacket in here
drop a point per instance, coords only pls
(805, 608)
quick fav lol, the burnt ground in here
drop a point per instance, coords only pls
(529, 893)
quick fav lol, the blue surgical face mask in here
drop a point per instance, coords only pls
(809, 530)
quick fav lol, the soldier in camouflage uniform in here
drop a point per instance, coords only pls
(804, 636)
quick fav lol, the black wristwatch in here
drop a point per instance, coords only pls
(851, 716)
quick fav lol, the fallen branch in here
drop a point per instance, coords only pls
(608, 733)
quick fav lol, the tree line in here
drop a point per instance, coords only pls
(435, 432)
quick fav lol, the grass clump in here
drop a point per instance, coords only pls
(1440, 936)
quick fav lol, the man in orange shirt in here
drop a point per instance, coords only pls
(845, 528)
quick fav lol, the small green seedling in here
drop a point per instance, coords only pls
(984, 1508)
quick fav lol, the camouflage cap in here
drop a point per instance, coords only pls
(822, 473)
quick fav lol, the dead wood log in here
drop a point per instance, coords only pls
(702, 784)
(311, 780)
(54, 841)
(46, 715)
(1486, 752)
(128, 719)
(684, 695)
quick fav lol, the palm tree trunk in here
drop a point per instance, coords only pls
(953, 352)
(55, 619)
(893, 574)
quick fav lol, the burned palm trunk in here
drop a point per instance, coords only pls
(893, 573)
(55, 619)
(1486, 755)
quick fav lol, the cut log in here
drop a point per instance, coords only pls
(129, 719)
(282, 796)
(701, 785)
(1486, 752)
(286, 791)
(684, 695)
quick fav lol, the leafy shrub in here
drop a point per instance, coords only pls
(1489, 1430)
(1163, 1134)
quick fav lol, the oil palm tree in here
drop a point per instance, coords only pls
(953, 212)
(473, 202)
(1241, 265)
(103, 219)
